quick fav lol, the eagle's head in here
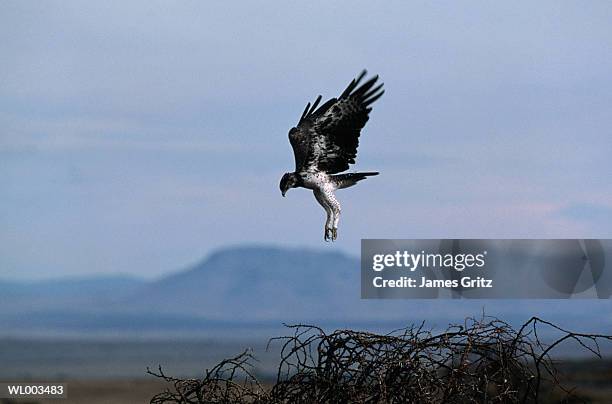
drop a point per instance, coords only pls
(289, 180)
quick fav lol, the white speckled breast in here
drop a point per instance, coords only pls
(317, 180)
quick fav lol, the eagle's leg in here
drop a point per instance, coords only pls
(328, 229)
(335, 207)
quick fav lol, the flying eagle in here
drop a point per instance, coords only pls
(325, 142)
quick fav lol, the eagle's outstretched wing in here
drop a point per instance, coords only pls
(326, 138)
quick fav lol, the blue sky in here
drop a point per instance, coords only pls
(136, 138)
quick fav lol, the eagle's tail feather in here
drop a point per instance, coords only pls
(350, 179)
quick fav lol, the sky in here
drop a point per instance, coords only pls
(137, 138)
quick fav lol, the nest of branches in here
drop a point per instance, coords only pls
(481, 361)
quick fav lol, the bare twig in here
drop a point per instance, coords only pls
(480, 361)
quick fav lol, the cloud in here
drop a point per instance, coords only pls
(129, 129)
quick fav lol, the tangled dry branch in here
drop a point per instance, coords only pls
(481, 361)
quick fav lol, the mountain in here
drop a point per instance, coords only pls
(243, 289)
(257, 283)
(66, 292)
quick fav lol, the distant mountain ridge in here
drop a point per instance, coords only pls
(63, 292)
(257, 283)
(249, 287)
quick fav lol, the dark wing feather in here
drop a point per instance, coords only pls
(327, 138)
(300, 142)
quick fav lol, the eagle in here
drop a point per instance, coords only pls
(325, 143)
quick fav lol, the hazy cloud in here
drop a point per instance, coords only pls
(137, 137)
